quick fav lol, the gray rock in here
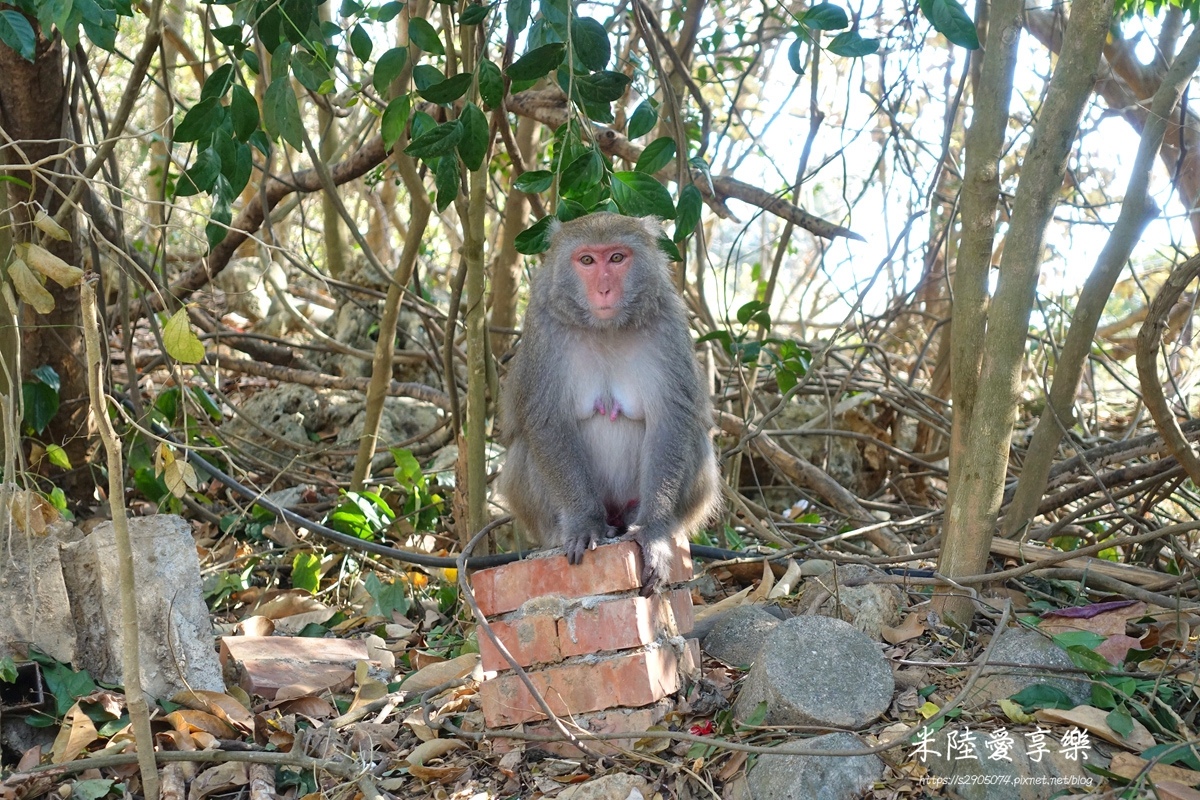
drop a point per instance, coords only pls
(981, 771)
(33, 594)
(818, 671)
(175, 634)
(816, 777)
(737, 636)
(1020, 646)
(870, 607)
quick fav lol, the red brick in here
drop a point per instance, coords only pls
(610, 568)
(588, 627)
(634, 721)
(627, 679)
(531, 639)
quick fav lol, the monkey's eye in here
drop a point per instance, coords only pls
(617, 258)
(588, 260)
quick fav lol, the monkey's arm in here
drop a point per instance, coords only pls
(560, 481)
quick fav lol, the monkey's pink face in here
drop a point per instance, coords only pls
(602, 269)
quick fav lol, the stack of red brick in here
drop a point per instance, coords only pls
(588, 641)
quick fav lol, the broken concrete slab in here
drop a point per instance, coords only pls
(177, 646)
(265, 664)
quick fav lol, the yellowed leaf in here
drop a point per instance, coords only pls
(1015, 712)
(179, 340)
(1127, 765)
(52, 266)
(928, 709)
(428, 751)
(77, 732)
(1092, 719)
(46, 224)
(29, 288)
(10, 299)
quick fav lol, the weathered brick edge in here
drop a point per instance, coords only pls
(546, 633)
(608, 569)
(628, 679)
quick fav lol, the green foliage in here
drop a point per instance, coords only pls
(64, 684)
(390, 598)
(361, 514)
(950, 19)
(422, 506)
(40, 399)
(306, 572)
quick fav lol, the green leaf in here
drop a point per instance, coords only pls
(537, 63)
(47, 375)
(825, 17)
(534, 239)
(590, 43)
(395, 117)
(387, 12)
(657, 155)
(474, 144)
(491, 84)
(426, 75)
(64, 684)
(281, 113)
(388, 68)
(201, 176)
(309, 70)
(851, 45)
(217, 83)
(41, 404)
(1088, 659)
(793, 55)
(438, 142)
(473, 14)
(449, 90)
(687, 214)
(517, 15)
(447, 182)
(644, 118)
(422, 34)
(950, 19)
(57, 456)
(754, 310)
(390, 598)
(1042, 695)
(243, 110)
(8, 670)
(422, 123)
(602, 87)
(360, 43)
(669, 249)
(583, 173)
(200, 120)
(1120, 721)
(228, 35)
(17, 33)
(640, 195)
(306, 572)
(179, 341)
(534, 181)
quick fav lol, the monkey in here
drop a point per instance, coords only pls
(604, 414)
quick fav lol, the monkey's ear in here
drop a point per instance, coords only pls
(555, 226)
(652, 225)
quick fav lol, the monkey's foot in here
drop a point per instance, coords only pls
(583, 537)
(658, 551)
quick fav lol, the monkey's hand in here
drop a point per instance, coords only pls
(658, 551)
(581, 534)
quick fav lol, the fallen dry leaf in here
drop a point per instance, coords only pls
(219, 705)
(910, 628)
(428, 751)
(442, 672)
(185, 719)
(1105, 619)
(1170, 790)
(219, 779)
(1115, 648)
(77, 732)
(1129, 766)
(1092, 719)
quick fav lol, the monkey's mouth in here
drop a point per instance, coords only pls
(604, 312)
